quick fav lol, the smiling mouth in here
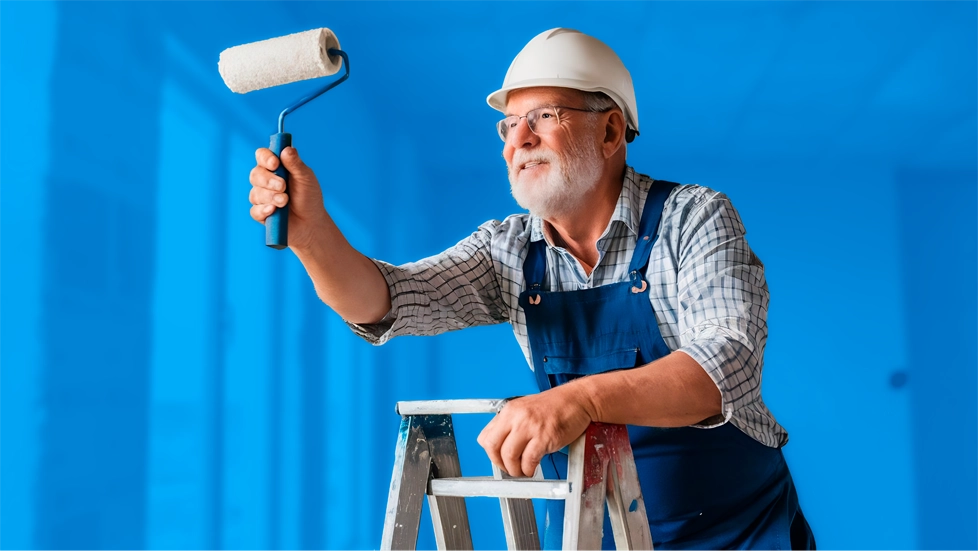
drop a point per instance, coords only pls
(532, 164)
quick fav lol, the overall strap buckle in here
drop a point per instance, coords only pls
(639, 285)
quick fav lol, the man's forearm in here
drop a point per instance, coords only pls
(346, 280)
(673, 391)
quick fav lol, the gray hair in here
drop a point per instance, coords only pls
(599, 102)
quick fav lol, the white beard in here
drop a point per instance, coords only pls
(565, 187)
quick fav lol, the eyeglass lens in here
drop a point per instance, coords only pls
(540, 120)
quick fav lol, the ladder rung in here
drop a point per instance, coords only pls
(446, 407)
(479, 486)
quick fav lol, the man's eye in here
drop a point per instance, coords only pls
(513, 123)
(546, 115)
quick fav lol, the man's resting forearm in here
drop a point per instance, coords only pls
(673, 391)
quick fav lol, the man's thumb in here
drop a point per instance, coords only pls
(295, 166)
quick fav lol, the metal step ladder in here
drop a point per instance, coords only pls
(600, 469)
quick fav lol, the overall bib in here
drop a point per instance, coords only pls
(703, 488)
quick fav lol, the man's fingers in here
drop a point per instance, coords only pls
(266, 159)
(261, 196)
(491, 439)
(261, 177)
(512, 452)
(532, 455)
(261, 212)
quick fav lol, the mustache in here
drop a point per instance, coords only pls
(522, 157)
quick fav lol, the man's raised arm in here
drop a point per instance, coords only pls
(350, 283)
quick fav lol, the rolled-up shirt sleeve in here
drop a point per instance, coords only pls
(452, 290)
(723, 302)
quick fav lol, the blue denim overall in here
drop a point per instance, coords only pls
(703, 488)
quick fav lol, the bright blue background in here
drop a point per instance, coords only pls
(168, 382)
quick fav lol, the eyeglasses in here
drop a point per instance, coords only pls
(542, 120)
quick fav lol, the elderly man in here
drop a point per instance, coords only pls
(636, 301)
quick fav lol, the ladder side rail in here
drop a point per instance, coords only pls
(519, 519)
(626, 507)
(448, 514)
(412, 467)
(584, 508)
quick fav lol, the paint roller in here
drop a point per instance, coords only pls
(283, 60)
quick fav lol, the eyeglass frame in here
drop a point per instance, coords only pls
(556, 114)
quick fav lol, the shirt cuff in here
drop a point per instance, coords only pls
(382, 331)
(374, 333)
(728, 361)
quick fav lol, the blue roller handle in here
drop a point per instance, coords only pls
(277, 225)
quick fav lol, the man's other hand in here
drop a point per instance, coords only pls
(530, 427)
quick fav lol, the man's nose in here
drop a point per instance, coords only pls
(522, 136)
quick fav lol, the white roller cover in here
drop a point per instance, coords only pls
(281, 60)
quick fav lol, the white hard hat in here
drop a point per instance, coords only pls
(570, 59)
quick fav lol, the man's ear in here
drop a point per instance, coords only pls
(614, 133)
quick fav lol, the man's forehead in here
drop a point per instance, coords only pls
(519, 101)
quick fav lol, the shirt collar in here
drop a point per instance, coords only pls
(627, 209)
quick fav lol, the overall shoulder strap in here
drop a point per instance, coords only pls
(648, 231)
(535, 264)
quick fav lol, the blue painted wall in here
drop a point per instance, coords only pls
(168, 382)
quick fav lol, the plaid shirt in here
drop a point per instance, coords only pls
(707, 289)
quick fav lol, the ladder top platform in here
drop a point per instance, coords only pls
(448, 407)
